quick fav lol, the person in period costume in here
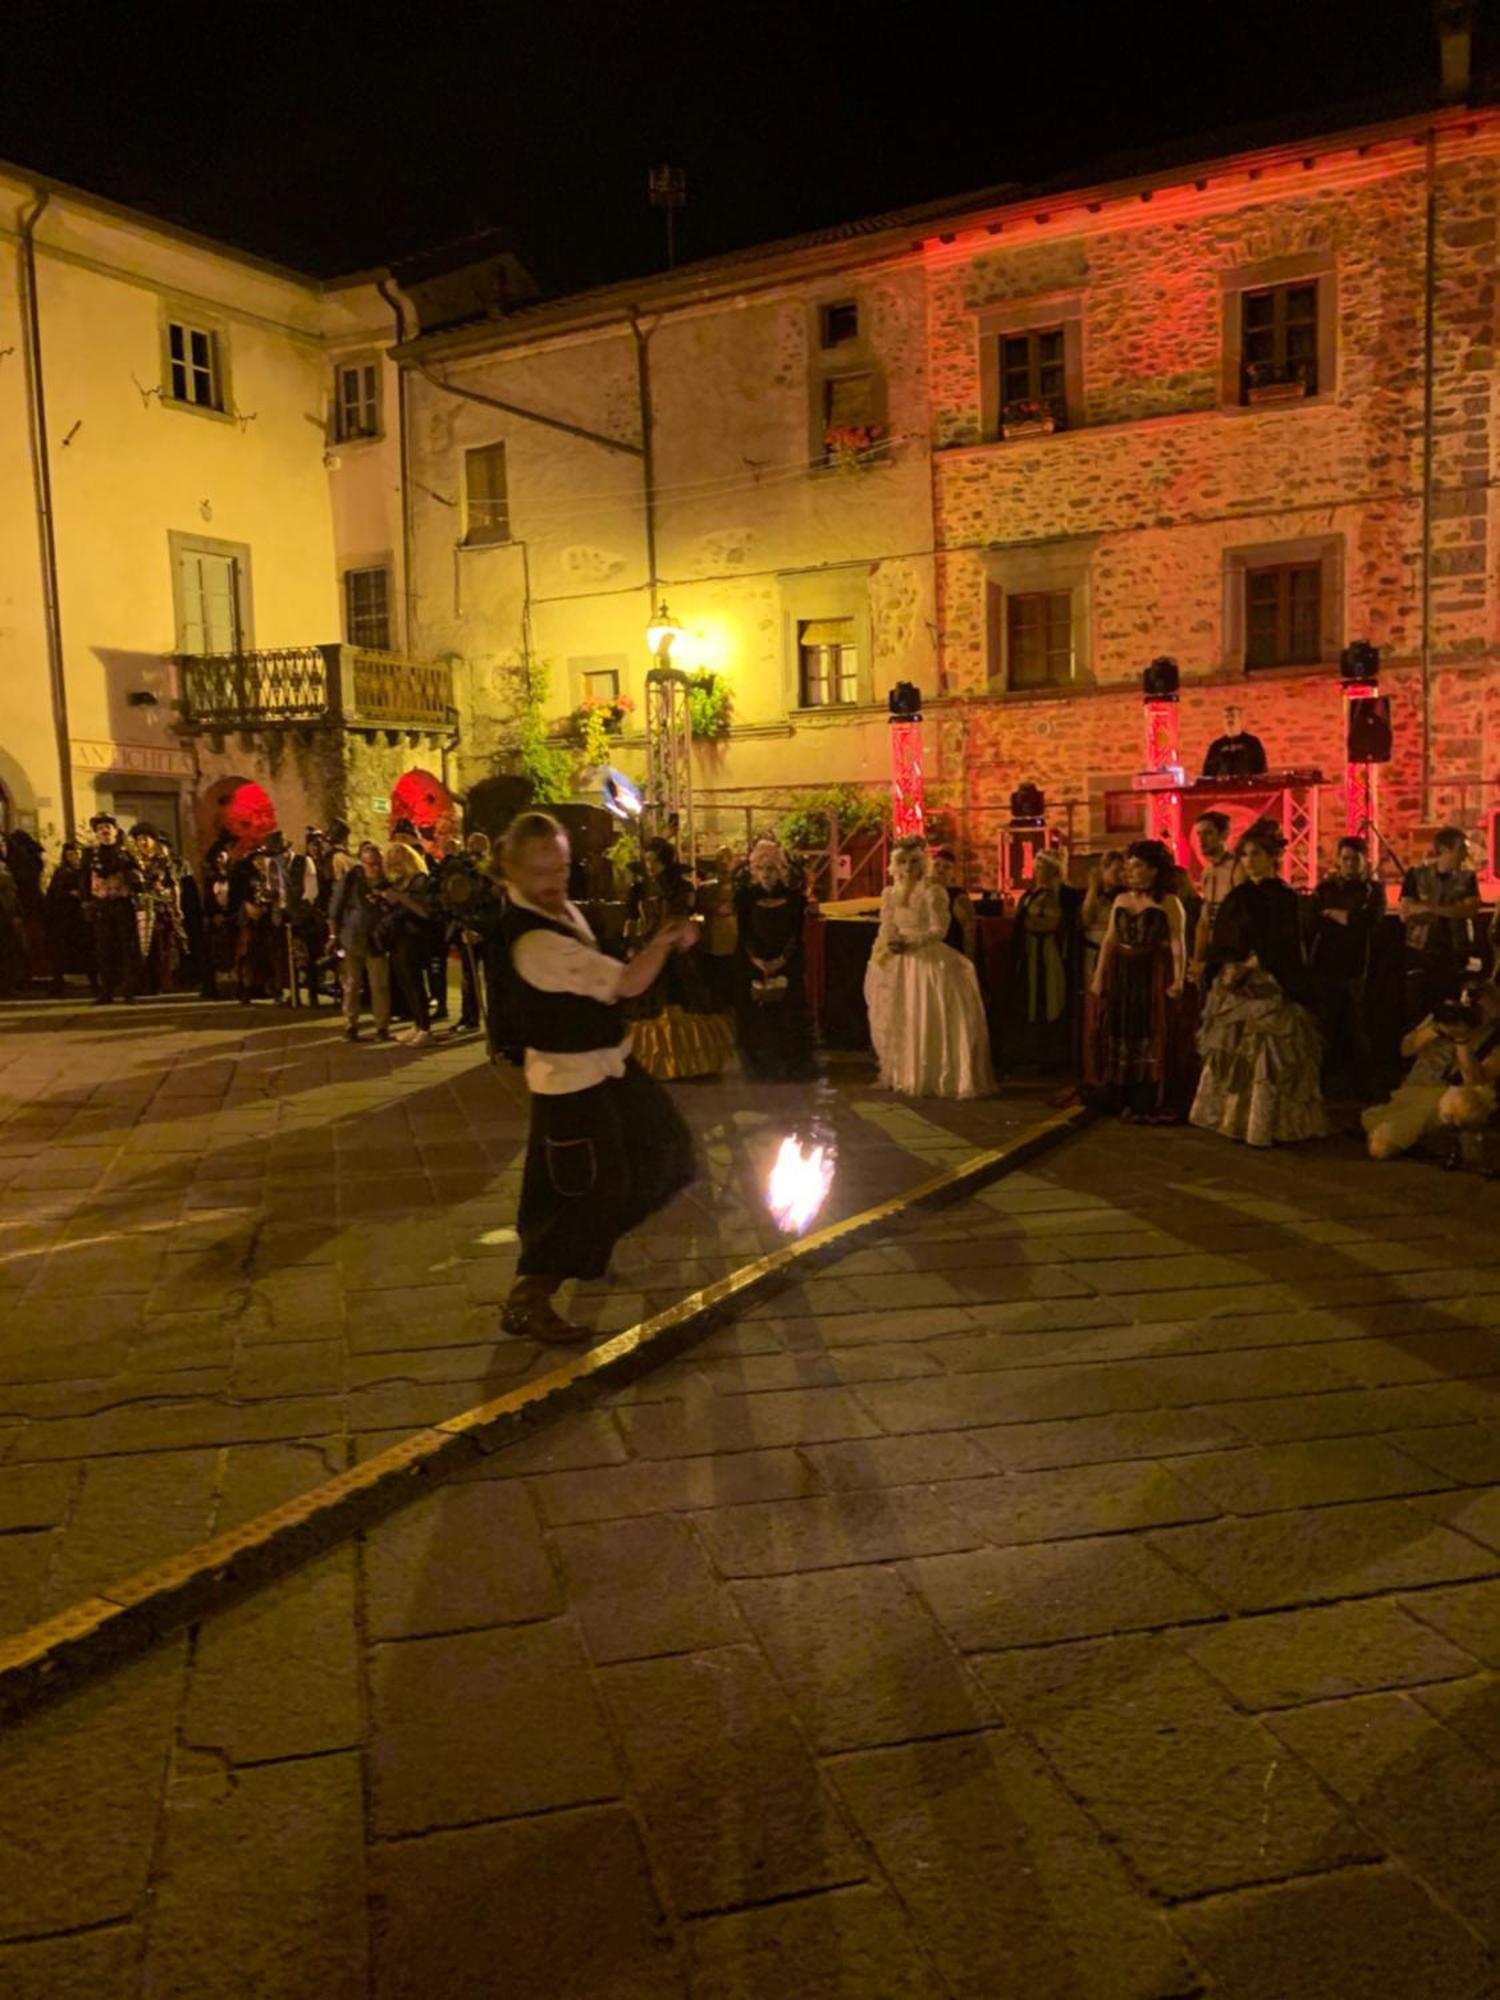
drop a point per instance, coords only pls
(1221, 873)
(114, 881)
(716, 903)
(1260, 1045)
(1105, 883)
(158, 911)
(220, 922)
(1143, 1063)
(14, 963)
(607, 1147)
(1350, 904)
(679, 1029)
(468, 888)
(1439, 902)
(1450, 1088)
(355, 922)
(410, 903)
(963, 926)
(27, 861)
(69, 944)
(776, 1037)
(926, 1017)
(255, 908)
(1043, 971)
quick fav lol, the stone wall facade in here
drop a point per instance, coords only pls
(1146, 505)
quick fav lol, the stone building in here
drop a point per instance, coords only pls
(1240, 411)
(201, 564)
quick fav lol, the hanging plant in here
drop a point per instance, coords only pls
(710, 704)
(548, 767)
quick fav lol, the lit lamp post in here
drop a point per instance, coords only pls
(908, 785)
(1162, 777)
(669, 740)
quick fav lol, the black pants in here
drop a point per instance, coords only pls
(1431, 977)
(409, 959)
(117, 948)
(598, 1162)
(1340, 1007)
(471, 1014)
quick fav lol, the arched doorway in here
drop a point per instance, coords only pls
(238, 808)
(427, 802)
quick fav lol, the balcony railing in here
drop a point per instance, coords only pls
(314, 686)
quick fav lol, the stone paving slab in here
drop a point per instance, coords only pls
(677, 1697)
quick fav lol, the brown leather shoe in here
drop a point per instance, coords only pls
(537, 1319)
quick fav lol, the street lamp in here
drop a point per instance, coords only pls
(662, 635)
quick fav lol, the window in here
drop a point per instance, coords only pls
(367, 609)
(1284, 615)
(839, 323)
(486, 509)
(1279, 339)
(193, 370)
(1039, 638)
(601, 684)
(828, 662)
(209, 583)
(1033, 373)
(357, 401)
(849, 401)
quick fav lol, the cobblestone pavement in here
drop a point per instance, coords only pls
(1092, 1590)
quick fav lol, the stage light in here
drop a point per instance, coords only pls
(1161, 679)
(1028, 802)
(906, 702)
(1360, 662)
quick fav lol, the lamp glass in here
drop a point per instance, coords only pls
(663, 633)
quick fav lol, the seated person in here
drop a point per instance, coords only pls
(1235, 754)
(1450, 1087)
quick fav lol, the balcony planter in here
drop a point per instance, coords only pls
(852, 447)
(1019, 420)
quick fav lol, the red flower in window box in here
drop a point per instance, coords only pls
(1026, 417)
(851, 445)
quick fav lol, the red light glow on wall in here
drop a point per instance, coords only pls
(908, 787)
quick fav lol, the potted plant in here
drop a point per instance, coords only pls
(710, 704)
(1275, 381)
(1028, 416)
(849, 446)
(598, 712)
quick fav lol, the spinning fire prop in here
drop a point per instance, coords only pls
(799, 1182)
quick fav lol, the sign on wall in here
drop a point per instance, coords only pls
(142, 760)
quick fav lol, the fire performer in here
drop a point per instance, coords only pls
(607, 1147)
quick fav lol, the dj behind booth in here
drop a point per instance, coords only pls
(1235, 754)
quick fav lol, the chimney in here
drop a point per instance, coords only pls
(1455, 26)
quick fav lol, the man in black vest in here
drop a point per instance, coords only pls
(607, 1147)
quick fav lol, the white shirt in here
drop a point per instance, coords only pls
(554, 964)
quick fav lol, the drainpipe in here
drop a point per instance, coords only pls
(648, 452)
(1429, 304)
(408, 594)
(46, 527)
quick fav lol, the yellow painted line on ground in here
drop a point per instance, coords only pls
(125, 1618)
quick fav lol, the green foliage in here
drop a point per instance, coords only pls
(546, 764)
(594, 735)
(809, 824)
(710, 704)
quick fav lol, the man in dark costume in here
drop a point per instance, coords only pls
(1237, 753)
(607, 1147)
(114, 880)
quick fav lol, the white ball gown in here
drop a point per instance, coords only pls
(926, 1017)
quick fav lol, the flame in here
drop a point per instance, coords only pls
(799, 1184)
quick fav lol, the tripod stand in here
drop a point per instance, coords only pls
(1368, 826)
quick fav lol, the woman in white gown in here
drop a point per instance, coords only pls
(926, 1017)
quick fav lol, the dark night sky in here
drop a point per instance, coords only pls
(313, 135)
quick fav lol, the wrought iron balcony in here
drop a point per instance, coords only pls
(314, 687)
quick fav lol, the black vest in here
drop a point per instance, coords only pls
(559, 1023)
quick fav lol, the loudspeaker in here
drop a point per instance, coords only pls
(1369, 730)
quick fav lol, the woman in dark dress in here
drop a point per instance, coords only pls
(770, 998)
(1043, 974)
(70, 946)
(411, 902)
(1140, 1062)
(678, 1029)
(1261, 1050)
